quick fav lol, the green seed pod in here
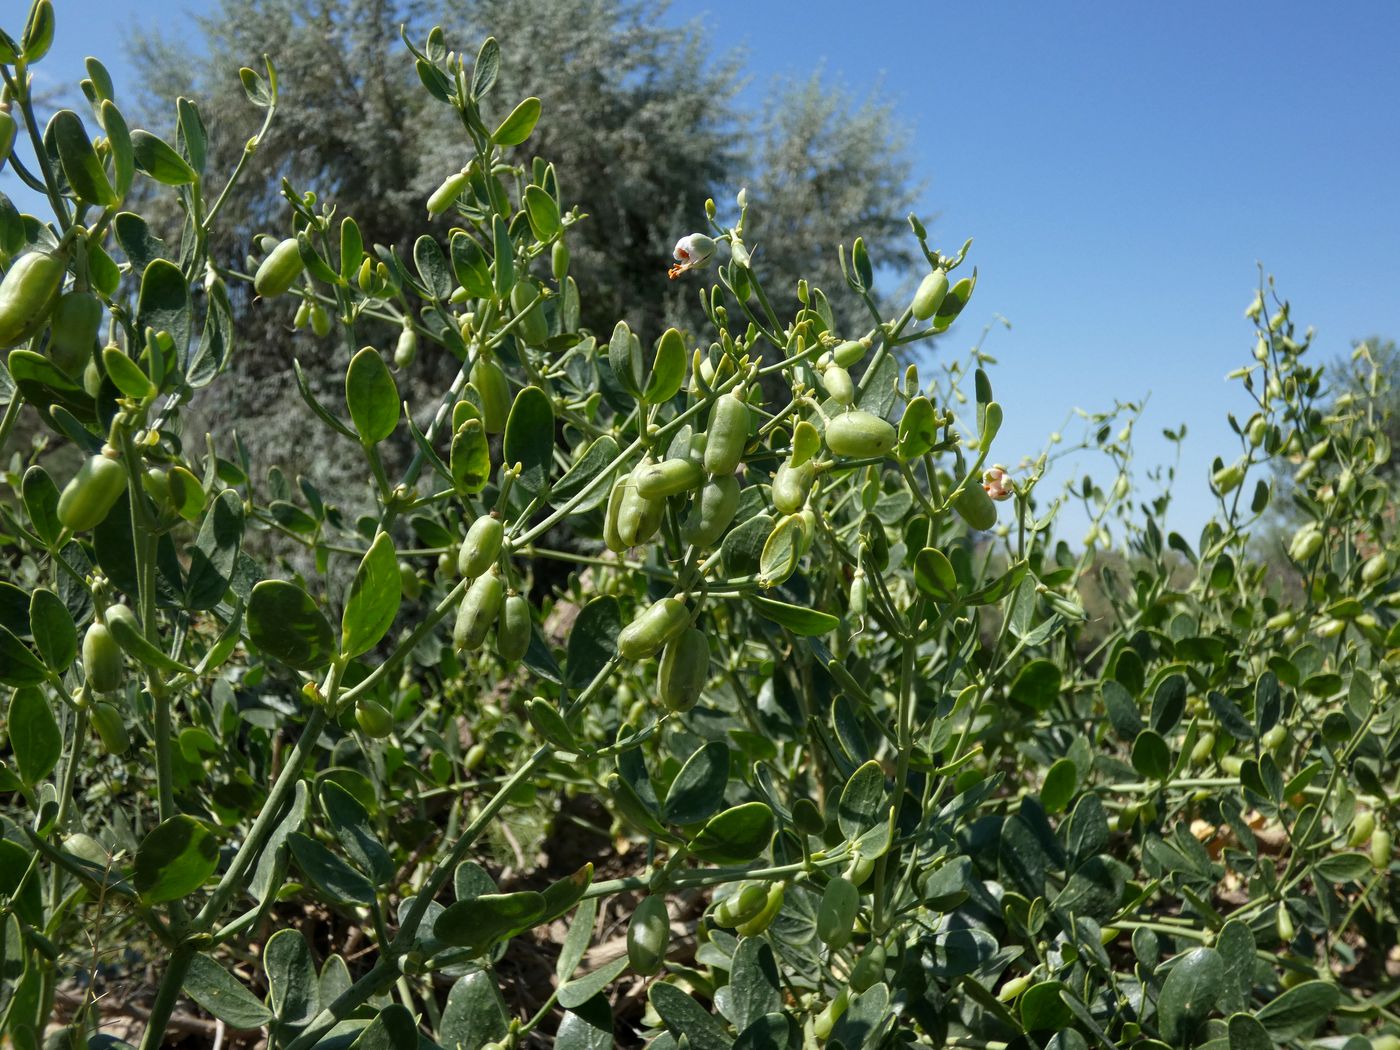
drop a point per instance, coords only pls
(410, 584)
(859, 435)
(860, 595)
(860, 869)
(87, 499)
(1258, 430)
(1380, 849)
(406, 349)
(374, 719)
(1227, 479)
(533, 328)
(670, 477)
(446, 195)
(493, 388)
(1205, 746)
(559, 260)
(741, 907)
(513, 629)
(1274, 738)
(653, 627)
(791, 486)
(612, 538)
(73, 330)
(684, 670)
(87, 848)
(727, 434)
(825, 1021)
(1283, 923)
(279, 271)
(648, 936)
(1279, 621)
(869, 969)
(975, 507)
(302, 316)
(478, 611)
(111, 729)
(1306, 542)
(836, 916)
(929, 297)
(1014, 987)
(839, 385)
(850, 352)
(102, 659)
(1362, 825)
(481, 546)
(638, 518)
(320, 321)
(773, 903)
(711, 511)
(1375, 569)
(28, 292)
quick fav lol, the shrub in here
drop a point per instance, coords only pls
(791, 693)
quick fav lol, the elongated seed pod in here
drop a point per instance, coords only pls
(478, 611)
(87, 499)
(652, 628)
(279, 271)
(727, 433)
(481, 546)
(102, 659)
(684, 670)
(28, 294)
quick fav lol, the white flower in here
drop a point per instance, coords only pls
(692, 251)
(997, 483)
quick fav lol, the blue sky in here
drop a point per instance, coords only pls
(1123, 168)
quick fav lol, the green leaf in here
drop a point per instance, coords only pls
(698, 790)
(475, 1012)
(1060, 784)
(371, 396)
(223, 995)
(164, 302)
(1151, 756)
(529, 438)
(918, 429)
(588, 1027)
(593, 640)
(576, 941)
(1299, 1010)
(1340, 867)
(809, 623)
(1037, 684)
(683, 1016)
(158, 159)
(470, 266)
(374, 598)
(516, 128)
(351, 823)
(293, 987)
(285, 624)
(393, 1028)
(1235, 943)
(1042, 1009)
(40, 496)
(478, 923)
(735, 836)
(1189, 995)
(469, 461)
(80, 162)
(55, 633)
(667, 368)
(35, 738)
(863, 804)
(543, 213)
(432, 267)
(573, 994)
(174, 859)
(488, 65)
(934, 575)
(1245, 1033)
(597, 459)
(214, 556)
(755, 988)
(340, 883)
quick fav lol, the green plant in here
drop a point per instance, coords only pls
(804, 690)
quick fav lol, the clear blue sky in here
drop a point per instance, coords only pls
(1123, 167)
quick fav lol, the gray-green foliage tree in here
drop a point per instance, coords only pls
(643, 118)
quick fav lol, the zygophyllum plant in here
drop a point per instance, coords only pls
(711, 689)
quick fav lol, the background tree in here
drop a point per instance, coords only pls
(643, 118)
